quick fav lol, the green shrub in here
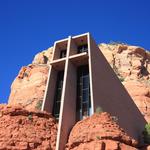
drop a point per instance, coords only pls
(39, 105)
(99, 110)
(114, 118)
(146, 133)
(30, 117)
(121, 79)
(98, 137)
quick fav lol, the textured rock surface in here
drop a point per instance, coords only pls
(29, 86)
(26, 130)
(43, 57)
(141, 96)
(99, 132)
(132, 65)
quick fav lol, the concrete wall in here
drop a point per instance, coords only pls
(69, 106)
(50, 91)
(67, 117)
(58, 46)
(73, 48)
(56, 52)
(110, 94)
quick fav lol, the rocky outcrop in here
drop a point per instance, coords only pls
(129, 62)
(29, 86)
(132, 65)
(26, 130)
(43, 57)
(141, 96)
(99, 132)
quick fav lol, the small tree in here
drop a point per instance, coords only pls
(146, 133)
(99, 110)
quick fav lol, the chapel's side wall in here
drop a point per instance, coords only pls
(110, 94)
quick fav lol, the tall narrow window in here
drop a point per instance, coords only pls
(62, 53)
(82, 48)
(83, 92)
(58, 92)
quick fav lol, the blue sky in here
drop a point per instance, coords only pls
(30, 26)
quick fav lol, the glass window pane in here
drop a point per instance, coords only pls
(85, 95)
(62, 53)
(58, 97)
(82, 48)
(84, 109)
(85, 82)
(58, 92)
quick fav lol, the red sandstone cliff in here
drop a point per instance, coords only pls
(29, 86)
(132, 65)
(26, 130)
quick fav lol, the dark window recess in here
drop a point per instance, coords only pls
(82, 48)
(58, 92)
(83, 92)
(62, 53)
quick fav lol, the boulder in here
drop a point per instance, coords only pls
(23, 129)
(99, 132)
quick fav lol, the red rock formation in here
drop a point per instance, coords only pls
(132, 65)
(29, 86)
(141, 96)
(43, 57)
(99, 132)
(26, 130)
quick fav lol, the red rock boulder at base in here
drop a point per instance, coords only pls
(99, 132)
(26, 130)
